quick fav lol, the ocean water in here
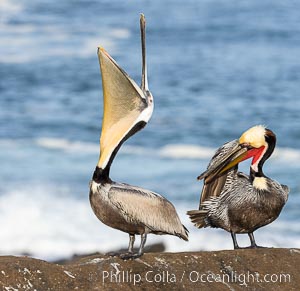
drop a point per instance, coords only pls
(216, 68)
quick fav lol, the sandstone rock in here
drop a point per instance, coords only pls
(260, 269)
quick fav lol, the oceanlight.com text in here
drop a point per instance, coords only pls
(193, 277)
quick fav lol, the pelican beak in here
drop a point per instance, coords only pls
(239, 153)
(235, 156)
(144, 84)
(127, 107)
(123, 103)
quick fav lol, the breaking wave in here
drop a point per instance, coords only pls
(48, 222)
(172, 151)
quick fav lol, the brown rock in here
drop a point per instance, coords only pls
(260, 269)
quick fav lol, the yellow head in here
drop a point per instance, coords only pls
(254, 137)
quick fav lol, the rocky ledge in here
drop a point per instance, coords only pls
(260, 269)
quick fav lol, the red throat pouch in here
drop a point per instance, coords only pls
(255, 153)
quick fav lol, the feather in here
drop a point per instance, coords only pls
(142, 206)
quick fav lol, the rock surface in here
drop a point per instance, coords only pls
(260, 269)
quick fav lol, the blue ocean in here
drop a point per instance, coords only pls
(216, 68)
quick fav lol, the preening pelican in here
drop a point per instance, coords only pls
(127, 109)
(234, 201)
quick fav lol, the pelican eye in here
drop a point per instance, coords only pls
(246, 145)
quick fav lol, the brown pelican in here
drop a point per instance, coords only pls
(234, 201)
(127, 109)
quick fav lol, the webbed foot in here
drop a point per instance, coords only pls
(130, 256)
(255, 247)
(113, 254)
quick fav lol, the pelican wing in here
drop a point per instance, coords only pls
(213, 187)
(125, 105)
(148, 208)
(219, 158)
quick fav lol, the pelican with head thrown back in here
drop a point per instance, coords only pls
(234, 201)
(127, 109)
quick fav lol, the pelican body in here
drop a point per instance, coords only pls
(127, 109)
(234, 201)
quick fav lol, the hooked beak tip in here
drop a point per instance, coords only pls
(142, 17)
(102, 50)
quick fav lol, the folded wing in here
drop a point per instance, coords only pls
(213, 187)
(135, 203)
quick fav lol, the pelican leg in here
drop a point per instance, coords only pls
(253, 243)
(235, 244)
(143, 241)
(130, 255)
(131, 243)
(130, 249)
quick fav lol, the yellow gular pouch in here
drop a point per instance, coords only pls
(260, 183)
(255, 136)
(124, 103)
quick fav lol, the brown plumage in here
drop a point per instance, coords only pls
(234, 201)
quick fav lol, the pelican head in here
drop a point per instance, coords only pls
(257, 143)
(254, 137)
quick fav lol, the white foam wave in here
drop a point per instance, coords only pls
(286, 154)
(49, 223)
(173, 151)
(21, 36)
(181, 151)
(9, 6)
(66, 145)
(121, 33)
